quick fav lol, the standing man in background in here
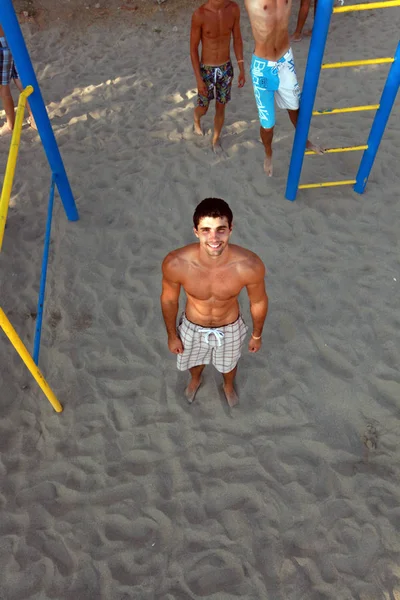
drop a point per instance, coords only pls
(213, 24)
(272, 69)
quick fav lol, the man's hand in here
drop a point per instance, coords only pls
(202, 88)
(241, 79)
(254, 345)
(175, 345)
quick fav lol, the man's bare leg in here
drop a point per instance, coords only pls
(8, 104)
(199, 112)
(308, 32)
(266, 138)
(194, 383)
(294, 115)
(218, 124)
(229, 390)
(302, 18)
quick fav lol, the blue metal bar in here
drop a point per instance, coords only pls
(378, 126)
(42, 290)
(311, 78)
(24, 66)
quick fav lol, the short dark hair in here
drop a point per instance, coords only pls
(212, 207)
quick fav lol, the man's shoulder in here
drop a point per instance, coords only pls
(234, 6)
(177, 259)
(245, 253)
(198, 14)
(249, 263)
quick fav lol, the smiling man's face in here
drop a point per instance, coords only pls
(213, 234)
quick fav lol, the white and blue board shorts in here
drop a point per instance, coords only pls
(274, 79)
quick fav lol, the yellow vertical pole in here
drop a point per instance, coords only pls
(28, 360)
(12, 160)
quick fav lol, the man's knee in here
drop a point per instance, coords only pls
(219, 107)
(201, 110)
(231, 373)
(5, 91)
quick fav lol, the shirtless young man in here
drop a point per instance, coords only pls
(272, 69)
(212, 274)
(8, 72)
(213, 24)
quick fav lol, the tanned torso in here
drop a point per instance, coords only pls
(212, 293)
(269, 21)
(216, 29)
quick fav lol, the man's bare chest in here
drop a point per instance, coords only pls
(264, 11)
(220, 286)
(216, 25)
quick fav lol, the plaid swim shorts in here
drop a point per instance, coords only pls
(220, 345)
(7, 67)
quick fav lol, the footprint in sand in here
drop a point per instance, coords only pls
(370, 437)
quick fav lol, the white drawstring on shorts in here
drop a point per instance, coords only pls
(207, 332)
(217, 72)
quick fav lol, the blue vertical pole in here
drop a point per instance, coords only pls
(378, 126)
(311, 78)
(42, 289)
(24, 66)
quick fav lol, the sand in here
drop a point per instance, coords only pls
(131, 493)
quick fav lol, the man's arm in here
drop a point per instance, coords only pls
(195, 39)
(258, 304)
(170, 302)
(238, 46)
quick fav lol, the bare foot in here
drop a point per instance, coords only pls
(191, 390)
(268, 168)
(370, 437)
(315, 148)
(197, 128)
(5, 130)
(296, 37)
(217, 148)
(32, 123)
(231, 397)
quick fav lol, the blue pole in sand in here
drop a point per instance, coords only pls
(378, 126)
(39, 318)
(311, 78)
(25, 70)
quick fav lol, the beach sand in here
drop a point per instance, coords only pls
(131, 493)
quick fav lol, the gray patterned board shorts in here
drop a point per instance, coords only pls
(201, 345)
(7, 67)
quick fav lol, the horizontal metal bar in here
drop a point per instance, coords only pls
(357, 63)
(349, 109)
(367, 6)
(307, 186)
(334, 150)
